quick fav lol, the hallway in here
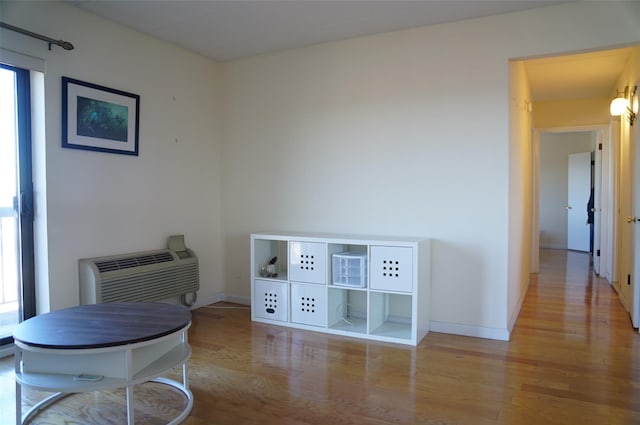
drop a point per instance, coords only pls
(575, 327)
(573, 358)
(567, 297)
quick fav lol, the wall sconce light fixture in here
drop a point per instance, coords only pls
(625, 103)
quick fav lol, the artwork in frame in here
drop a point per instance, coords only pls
(98, 118)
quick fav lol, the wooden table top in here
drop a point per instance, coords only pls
(102, 325)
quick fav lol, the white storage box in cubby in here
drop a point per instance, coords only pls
(270, 300)
(308, 262)
(349, 269)
(391, 268)
(308, 304)
(375, 288)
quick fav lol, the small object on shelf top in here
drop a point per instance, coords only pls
(269, 269)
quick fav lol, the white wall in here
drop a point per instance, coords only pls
(357, 137)
(520, 190)
(569, 113)
(405, 133)
(101, 204)
(555, 149)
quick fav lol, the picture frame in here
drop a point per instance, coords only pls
(99, 118)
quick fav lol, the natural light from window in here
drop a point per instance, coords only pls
(8, 217)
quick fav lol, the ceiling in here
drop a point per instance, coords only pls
(578, 76)
(226, 30)
(231, 29)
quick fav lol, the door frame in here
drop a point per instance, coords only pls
(634, 142)
(603, 203)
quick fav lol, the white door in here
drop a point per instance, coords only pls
(578, 192)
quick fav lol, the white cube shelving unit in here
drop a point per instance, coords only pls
(392, 303)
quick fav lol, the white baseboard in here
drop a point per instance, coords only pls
(237, 299)
(209, 300)
(554, 246)
(516, 312)
(222, 297)
(466, 330)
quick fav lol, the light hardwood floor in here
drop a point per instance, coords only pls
(573, 358)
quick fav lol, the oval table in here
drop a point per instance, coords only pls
(102, 346)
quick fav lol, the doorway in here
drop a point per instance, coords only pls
(17, 277)
(565, 182)
(576, 103)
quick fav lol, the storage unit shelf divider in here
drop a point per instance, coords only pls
(376, 288)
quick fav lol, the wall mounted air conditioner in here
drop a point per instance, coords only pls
(141, 276)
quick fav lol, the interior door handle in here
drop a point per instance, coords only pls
(631, 219)
(569, 207)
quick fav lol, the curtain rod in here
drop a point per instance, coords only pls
(64, 44)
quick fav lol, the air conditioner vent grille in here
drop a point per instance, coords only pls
(140, 276)
(130, 262)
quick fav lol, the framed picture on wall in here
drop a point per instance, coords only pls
(98, 118)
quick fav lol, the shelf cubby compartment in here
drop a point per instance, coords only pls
(263, 251)
(336, 248)
(347, 310)
(390, 315)
(348, 265)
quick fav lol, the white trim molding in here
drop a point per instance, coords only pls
(21, 60)
(467, 330)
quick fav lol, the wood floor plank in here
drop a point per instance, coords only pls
(573, 358)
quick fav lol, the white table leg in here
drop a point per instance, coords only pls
(185, 375)
(18, 405)
(130, 415)
(17, 355)
(128, 365)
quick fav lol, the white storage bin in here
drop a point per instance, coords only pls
(308, 304)
(270, 300)
(350, 269)
(391, 268)
(308, 262)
